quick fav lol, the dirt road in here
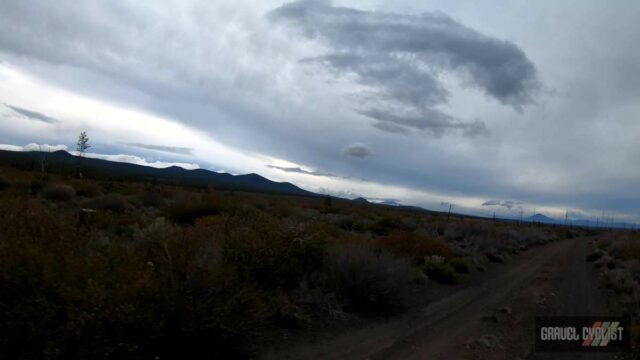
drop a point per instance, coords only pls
(491, 320)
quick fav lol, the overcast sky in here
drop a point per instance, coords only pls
(492, 106)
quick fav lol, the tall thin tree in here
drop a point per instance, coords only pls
(83, 144)
(81, 148)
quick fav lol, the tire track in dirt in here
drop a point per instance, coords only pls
(566, 285)
(457, 328)
(444, 327)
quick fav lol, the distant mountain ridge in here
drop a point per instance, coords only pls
(540, 218)
(62, 162)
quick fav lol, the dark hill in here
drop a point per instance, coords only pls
(539, 218)
(64, 163)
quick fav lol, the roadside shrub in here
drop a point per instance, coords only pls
(262, 205)
(344, 222)
(281, 209)
(619, 280)
(59, 193)
(627, 249)
(460, 264)
(440, 272)
(70, 295)
(634, 334)
(189, 212)
(361, 224)
(206, 306)
(597, 254)
(496, 257)
(87, 188)
(111, 202)
(35, 186)
(306, 305)
(615, 263)
(385, 224)
(266, 255)
(604, 261)
(368, 281)
(604, 244)
(416, 246)
(634, 268)
(152, 198)
(4, 183)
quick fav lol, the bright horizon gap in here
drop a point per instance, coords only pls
(512, 215)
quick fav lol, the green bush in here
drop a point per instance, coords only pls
(111, 202)
(495, 257)
(460, 264)
(369, 282)
(267, 256)
(595, 255)
(66, 296)
(189, 212)
(627, 249)
(59, 193)
(152, 198)
(4, 183)
(87, 189)
(635, 337)
(384, 224)
(440, 272)
(603, 261)
(415, 246)
(35, 186)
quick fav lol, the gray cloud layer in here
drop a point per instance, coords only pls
(33, 115)
(400, 57)
(300, 171)
(170, 149)
(509, 204)
(223, 68)
(358, 150)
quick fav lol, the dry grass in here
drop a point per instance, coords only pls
(619, 264)
(627, 248)
(416, 246)
(176, 272)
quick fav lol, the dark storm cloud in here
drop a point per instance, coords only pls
(396, 78)
(358, 150)
(391, 128)
(33, 115)
(163, 148)
(300, 171)
(509, 204)
(570, 151)
(432, 121)
(400, 58)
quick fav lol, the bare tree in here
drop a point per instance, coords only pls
(81, 148)
(83, 144)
